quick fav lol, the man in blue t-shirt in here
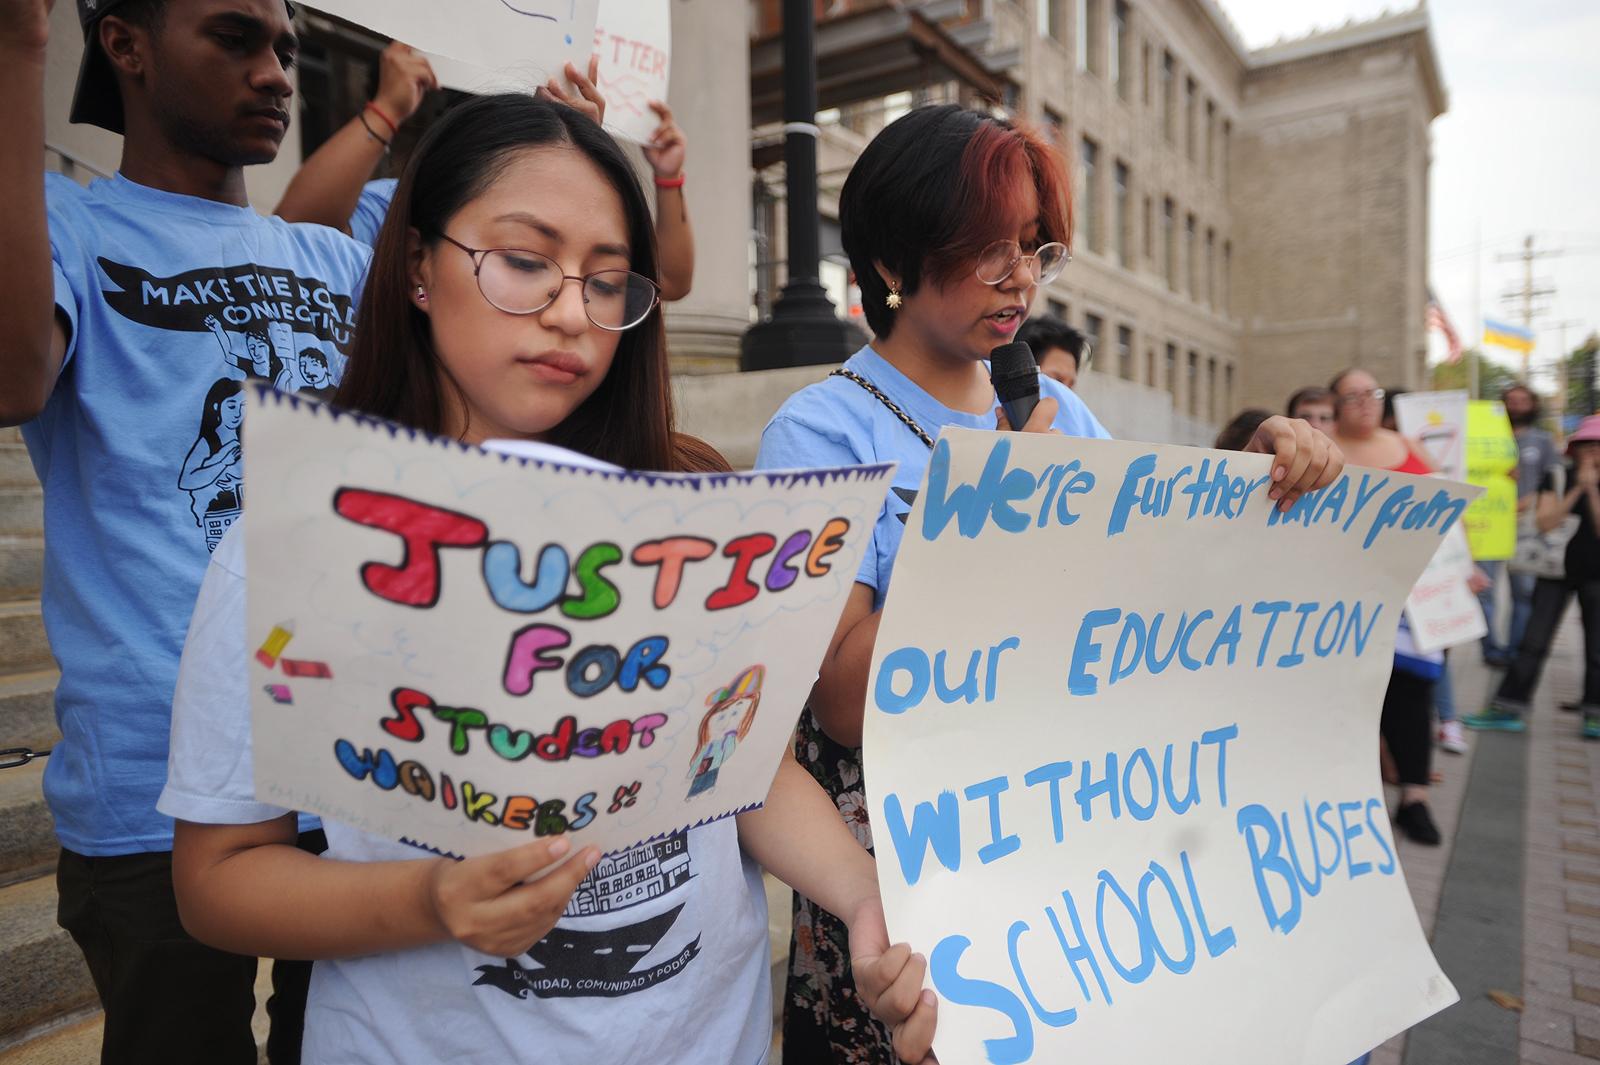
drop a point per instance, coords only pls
(135, 309)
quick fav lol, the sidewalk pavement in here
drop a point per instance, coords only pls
(1512, 898)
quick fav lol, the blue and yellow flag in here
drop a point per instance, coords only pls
(1505, 335)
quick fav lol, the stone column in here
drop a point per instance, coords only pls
(710, 98)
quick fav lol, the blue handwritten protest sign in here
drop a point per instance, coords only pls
(1131, 808)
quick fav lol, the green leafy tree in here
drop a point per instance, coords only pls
(1583, 387)
(1492, 377)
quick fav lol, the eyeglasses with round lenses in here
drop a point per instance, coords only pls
(524, 282)
(998, 260)
(1368, 395)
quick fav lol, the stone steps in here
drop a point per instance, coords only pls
(27, 709)
(27, 836)
(23, 647)
(42, 974)
(21, 566)
(70, 1040)
(16, 470)
(21, 510)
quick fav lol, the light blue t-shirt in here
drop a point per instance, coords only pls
(172, 301)
(836, 422)
(371, 209)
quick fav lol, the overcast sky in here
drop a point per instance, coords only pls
(1518, 151)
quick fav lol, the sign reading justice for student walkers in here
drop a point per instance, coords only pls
(1131, 810)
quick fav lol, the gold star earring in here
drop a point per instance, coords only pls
(893, 299)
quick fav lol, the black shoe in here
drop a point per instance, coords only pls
(1416, 821)
(1570, 708)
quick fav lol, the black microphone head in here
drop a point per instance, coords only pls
(1013, 371)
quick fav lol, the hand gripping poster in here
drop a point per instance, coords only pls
(1131, 809)
(463, 650)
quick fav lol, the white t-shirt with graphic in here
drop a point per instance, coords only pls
(661, 957)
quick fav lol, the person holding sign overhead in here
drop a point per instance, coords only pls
(952, 219)
(510, 296)
(331, 186)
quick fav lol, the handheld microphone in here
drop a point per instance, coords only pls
(1015, 376)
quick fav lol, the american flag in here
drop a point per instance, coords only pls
(1437, 319)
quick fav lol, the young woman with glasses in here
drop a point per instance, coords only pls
(952, 219)
(512, 295)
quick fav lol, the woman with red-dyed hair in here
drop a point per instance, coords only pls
(952, 219)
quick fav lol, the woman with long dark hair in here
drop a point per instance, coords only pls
(512, 295)
(952, 219)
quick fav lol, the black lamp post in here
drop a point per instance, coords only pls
(803, 329)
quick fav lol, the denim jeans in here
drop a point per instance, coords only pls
(1521, 610)
(1550, 599)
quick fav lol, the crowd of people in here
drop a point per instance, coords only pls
(1419, 708)
(506, 284)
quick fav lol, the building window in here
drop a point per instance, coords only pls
(1150, 367)
(1193, 380)
(1190, 275)
(1121, 219)
(1169, 242)
(1121, 65)
(1124, 352)
(1211, 268)
(1227, 376)
(1189, 117)
(1211, 139)
(1049, 18)
(1055, 128)
(1090, 37)
(1090, 208)
(1093, 328)
(1149, 230)
(1211, 390)
(1057, 308)
(1169, 100)
(1146, 75)
(1171, 378)
(1227, 145)
(1227, 277)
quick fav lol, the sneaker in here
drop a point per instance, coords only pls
(1416, 822)
(1452, 737)
(1591, 726)
(1496, 720)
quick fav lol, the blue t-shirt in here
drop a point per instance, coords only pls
(371, 209)
(836, 422)
(172, 301)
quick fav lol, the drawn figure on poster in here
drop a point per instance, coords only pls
(214, 468)
(732, 712)
(264, 353)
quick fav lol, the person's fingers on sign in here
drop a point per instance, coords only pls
(404, 77)
(582, 93)
(668, 147)
(489, 904)
(1305, 459)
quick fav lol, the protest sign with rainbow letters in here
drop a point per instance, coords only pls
(1133, 812)
(462, 650)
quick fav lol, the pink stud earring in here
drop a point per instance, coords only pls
(422, 295)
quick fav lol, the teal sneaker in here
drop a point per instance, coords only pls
(1591, 726)
(1494, 719)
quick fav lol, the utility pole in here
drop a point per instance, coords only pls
(1528, 292)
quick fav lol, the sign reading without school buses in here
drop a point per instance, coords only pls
(464, 650)
(1140, 789)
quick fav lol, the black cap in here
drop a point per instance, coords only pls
(97, 101)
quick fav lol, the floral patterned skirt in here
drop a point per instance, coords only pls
(823, 1020)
